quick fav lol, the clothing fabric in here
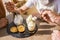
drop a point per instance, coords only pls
(54, 6)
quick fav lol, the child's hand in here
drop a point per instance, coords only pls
(10, 6)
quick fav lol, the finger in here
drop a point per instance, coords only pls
(44, 13)
(9, 8)
(45, 19)
(41, 11)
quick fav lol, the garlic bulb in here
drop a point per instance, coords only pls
(31, 26)
(31, 22)
(31, 18)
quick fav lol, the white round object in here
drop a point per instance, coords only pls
(31, 26)
(18, 19)
(31, 22)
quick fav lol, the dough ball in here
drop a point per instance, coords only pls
(21, 28)
(13, 29)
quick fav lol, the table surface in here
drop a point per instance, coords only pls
(43, 33)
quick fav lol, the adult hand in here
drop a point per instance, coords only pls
(48, 16)
(51, 17)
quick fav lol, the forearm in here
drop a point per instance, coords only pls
(26, 6)
(22, 9)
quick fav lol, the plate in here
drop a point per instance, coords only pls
(26, 33)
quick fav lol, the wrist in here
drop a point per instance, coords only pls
(17, 11)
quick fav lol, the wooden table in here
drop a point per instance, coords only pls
(43, 33)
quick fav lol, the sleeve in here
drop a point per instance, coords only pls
(58, 5)
(29, 3)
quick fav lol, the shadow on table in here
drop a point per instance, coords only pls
(44, 32)
(46, 26)
(3, 32)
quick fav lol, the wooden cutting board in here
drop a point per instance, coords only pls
(2, 10)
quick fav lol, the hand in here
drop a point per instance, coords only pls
(36, 15)
(10, 6)
(19, 11)
(51, 17)
(48, 15)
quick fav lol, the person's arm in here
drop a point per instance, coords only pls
(57, 18)
(11, 7)
(26, 6)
